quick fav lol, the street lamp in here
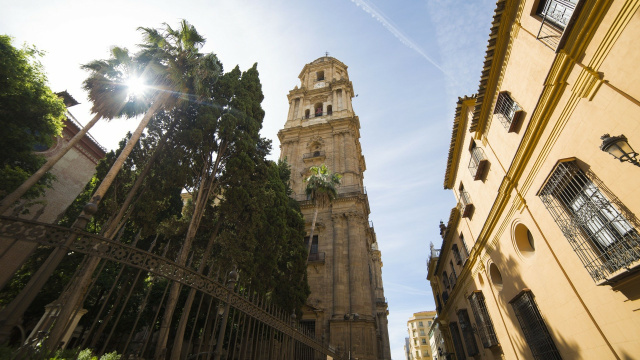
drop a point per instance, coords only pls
(350, 318)
(619, 148)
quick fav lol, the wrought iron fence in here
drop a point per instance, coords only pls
(124, 305)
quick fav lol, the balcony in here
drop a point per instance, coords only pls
(343, 191)
(467, 205)
(316, 155)
(317, 258)
(382, 302)
(478, 163)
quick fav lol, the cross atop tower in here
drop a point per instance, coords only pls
(326, 53)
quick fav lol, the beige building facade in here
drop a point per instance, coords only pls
(73, 171)
(418, 327)
(347, 307)
(540, 258)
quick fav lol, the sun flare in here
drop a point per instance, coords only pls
(136, 86)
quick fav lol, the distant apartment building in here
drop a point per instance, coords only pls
(540, 258)
(407, 349)
(418, 328)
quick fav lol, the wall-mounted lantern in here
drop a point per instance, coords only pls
(619, 148)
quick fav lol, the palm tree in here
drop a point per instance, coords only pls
(109, 92)
(175, 70)
(168, 66)
(321, 190)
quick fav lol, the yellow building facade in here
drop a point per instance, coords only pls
(418, 327)
(540, 257)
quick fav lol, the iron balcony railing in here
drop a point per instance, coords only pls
(317, 257)
(477, 163)
(343, 191)
(314, 154)
(381, 301)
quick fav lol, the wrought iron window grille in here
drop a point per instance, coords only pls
(467, 332)
(508, 112)
(557, 12)
(555, 17)
(456, 254)
(457, 341)
(445, 280)
(534, 327)
(485, 328)
(596, 227)
(452, 280)
(467, 204)
(465, 252)
(477, 163)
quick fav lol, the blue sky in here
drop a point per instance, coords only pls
(408, 60)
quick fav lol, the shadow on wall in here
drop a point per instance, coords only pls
(505, 278)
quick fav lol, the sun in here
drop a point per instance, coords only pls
(136, 86)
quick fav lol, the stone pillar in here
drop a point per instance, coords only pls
(341, 292)
(336, 153)
(297, 105)
(343, 152)
(290, 115)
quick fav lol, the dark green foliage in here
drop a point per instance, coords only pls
(30, 115)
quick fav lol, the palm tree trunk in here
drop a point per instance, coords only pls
(186, 309)
(113, 225)
(10, 199)
(76, 292)
(209, 176)
(313, 227)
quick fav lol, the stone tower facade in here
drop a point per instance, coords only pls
(347, 307)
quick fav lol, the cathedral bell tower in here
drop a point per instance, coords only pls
(347, 307)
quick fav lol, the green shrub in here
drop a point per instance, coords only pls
(110, 356)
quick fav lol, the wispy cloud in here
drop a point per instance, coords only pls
(458, 25)
(404, 289)
(395, 31)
